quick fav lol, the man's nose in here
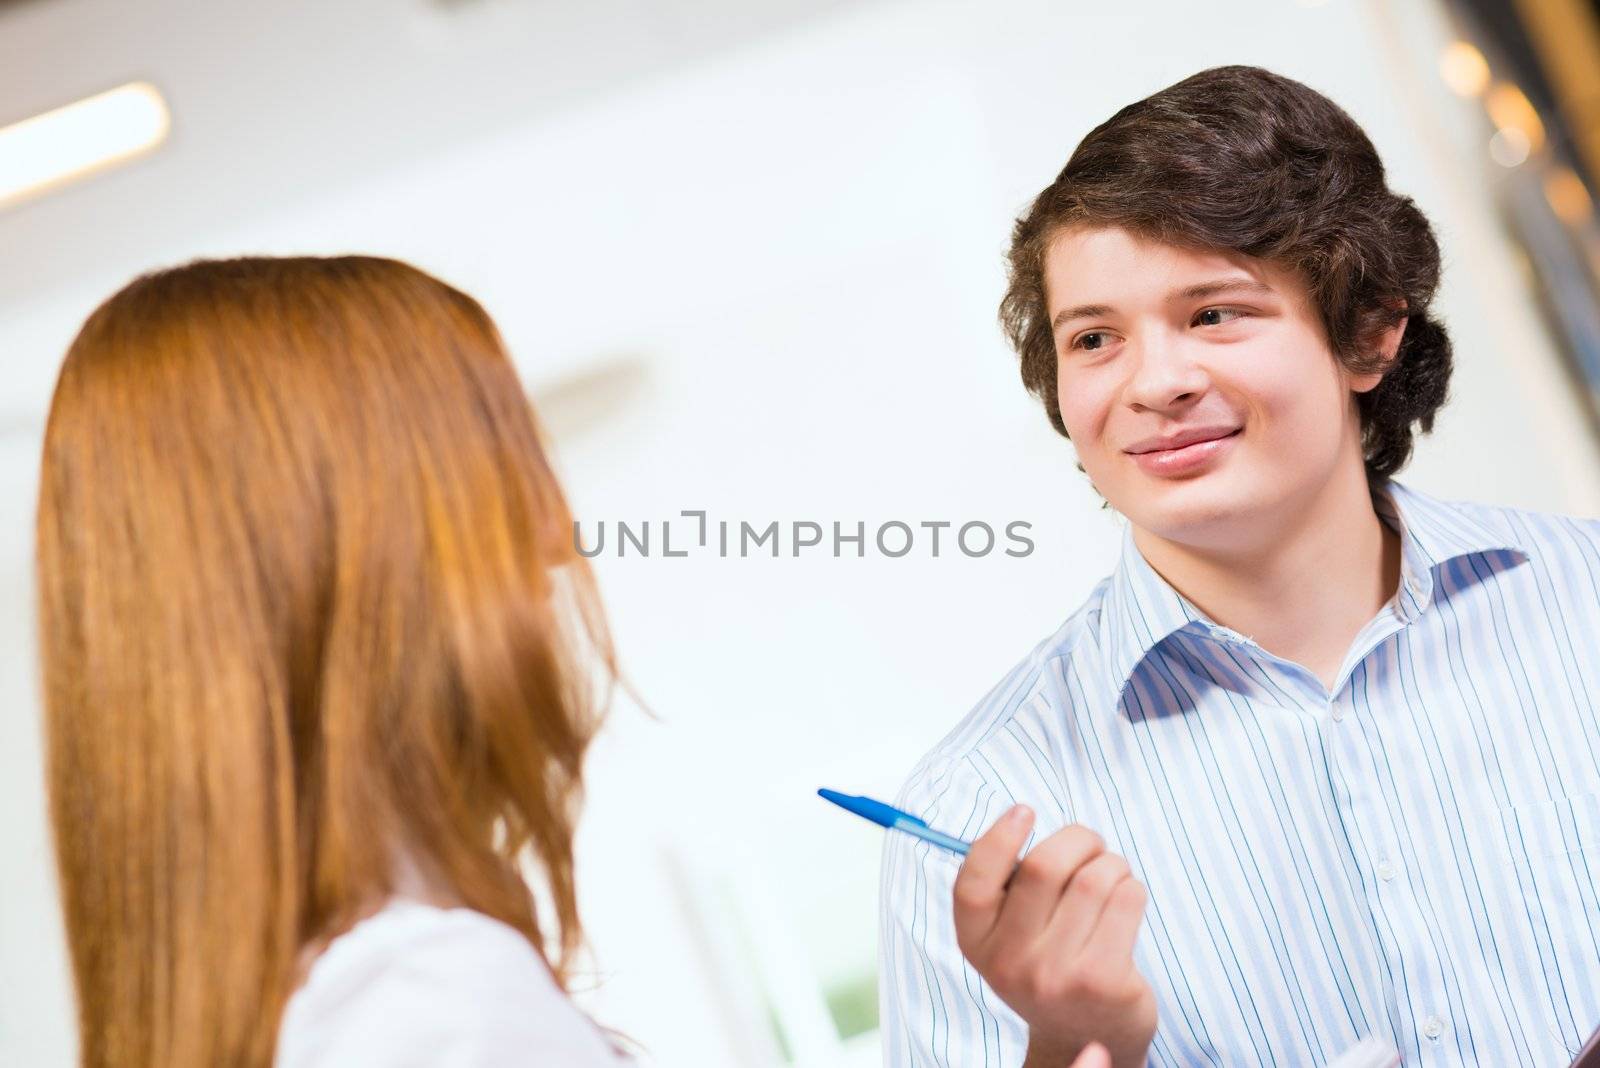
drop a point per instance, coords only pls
(1165, 374)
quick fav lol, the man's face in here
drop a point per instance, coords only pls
(1242, 363)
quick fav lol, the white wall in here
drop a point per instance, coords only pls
(799, 242)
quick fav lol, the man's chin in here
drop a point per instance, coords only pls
(1191, 511)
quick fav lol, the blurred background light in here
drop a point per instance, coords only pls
(1464, 69)
(1509, 147)
(1568, 196)
(1510, 110)
(80, 139)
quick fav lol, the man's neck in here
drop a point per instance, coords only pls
(1304, 592)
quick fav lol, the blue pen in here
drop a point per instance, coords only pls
(892, 818)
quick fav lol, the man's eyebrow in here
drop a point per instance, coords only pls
(1198, 291)
(1222, 285)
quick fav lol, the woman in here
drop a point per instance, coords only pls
(320, 666)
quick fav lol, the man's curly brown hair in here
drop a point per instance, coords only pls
(1239, 158)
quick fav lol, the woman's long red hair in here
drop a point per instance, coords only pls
(308, 602)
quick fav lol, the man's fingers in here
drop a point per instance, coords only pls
(1042, 877)
(980, 884)
(1094, 1055)
(1110, 944)
(1085, 901)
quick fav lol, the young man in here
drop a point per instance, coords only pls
(1321, 758)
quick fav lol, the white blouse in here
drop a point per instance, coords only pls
(419, 985)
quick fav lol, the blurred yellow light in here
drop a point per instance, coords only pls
(1568, 197)
(1463, 69)
(1508, 147)
(1509, 109)
(79, 139)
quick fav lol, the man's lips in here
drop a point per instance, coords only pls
(1181, 439)
(1197, 456)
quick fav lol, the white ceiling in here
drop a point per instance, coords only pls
(276, 101)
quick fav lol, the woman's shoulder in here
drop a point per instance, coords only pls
(412, 940)
(419, 984)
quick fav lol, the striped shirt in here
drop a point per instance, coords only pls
(1414, 855)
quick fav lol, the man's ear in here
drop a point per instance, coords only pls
(1387, 344)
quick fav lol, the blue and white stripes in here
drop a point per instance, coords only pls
(1416, 856)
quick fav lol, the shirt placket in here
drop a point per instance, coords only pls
(1379, 840)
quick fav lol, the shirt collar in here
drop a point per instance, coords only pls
(1142, 609)
(1434, 532)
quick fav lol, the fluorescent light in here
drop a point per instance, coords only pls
(70, 142)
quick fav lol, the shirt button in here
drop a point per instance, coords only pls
(1433, 1027)
(1386, 870)
(1338, 713)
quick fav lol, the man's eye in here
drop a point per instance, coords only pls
(1079, 343)
(1219, 311)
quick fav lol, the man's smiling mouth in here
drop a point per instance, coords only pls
(1182, 439)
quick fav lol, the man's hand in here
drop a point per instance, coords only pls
(1094, 1055)
(1056, 942)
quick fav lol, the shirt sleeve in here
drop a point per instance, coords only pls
(935, 1009)
(441, 987)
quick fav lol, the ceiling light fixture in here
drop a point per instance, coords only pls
(80, 139)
